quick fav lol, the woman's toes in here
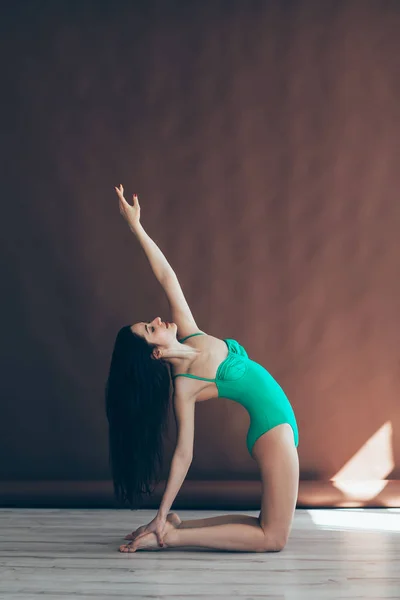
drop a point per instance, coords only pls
(125, 548)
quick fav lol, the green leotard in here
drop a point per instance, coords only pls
(243, 380)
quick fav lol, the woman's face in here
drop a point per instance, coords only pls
(158, 332)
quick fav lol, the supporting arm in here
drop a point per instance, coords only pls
(178, 470)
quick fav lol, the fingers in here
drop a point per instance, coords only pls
(123, 203)
(136, 203)
(119, 193)
(119, 190)
(140, 531)
(135, 538)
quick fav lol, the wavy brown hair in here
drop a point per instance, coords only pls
(137, 393)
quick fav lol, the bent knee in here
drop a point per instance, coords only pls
(273, 542)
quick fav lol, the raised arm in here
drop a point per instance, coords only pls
(158, 262)
(180, 311)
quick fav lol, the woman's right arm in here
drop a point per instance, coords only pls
(158, 262)
(179, 308)
(180, 311)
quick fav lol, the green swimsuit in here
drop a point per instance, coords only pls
(243, 380)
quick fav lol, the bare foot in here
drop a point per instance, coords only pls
(149, 541)
(172, 518)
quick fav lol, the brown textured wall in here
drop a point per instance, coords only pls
(262, 138)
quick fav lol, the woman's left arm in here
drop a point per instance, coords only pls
(184, 409)
(179, 467)
(177, 474)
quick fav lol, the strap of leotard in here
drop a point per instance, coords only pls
(191, 335)
(192, 376)
(189, 374)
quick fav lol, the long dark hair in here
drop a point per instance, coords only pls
(137, 392)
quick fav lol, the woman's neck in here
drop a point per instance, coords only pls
(180, 355)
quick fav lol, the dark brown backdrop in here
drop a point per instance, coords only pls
(263, 140)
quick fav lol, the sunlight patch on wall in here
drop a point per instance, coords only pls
(363, 476)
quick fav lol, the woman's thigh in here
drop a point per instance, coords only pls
(277, 458)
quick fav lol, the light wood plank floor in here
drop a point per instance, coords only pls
(331, 554)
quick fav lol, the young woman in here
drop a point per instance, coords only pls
(202, 367)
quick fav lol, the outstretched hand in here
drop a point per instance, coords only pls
(130, 213)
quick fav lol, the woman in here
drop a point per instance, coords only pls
(203, 367)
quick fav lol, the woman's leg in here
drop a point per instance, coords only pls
(176, 521)
(232, 536)
(212, 521)
(237, 537)
(277, 458)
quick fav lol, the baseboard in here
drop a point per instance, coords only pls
(224, 495)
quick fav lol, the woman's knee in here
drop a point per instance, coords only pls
(274, 541)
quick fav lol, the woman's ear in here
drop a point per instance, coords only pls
(156, 353)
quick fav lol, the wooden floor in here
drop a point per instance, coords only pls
(331, 554)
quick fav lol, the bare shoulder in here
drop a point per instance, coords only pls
(190, 391)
